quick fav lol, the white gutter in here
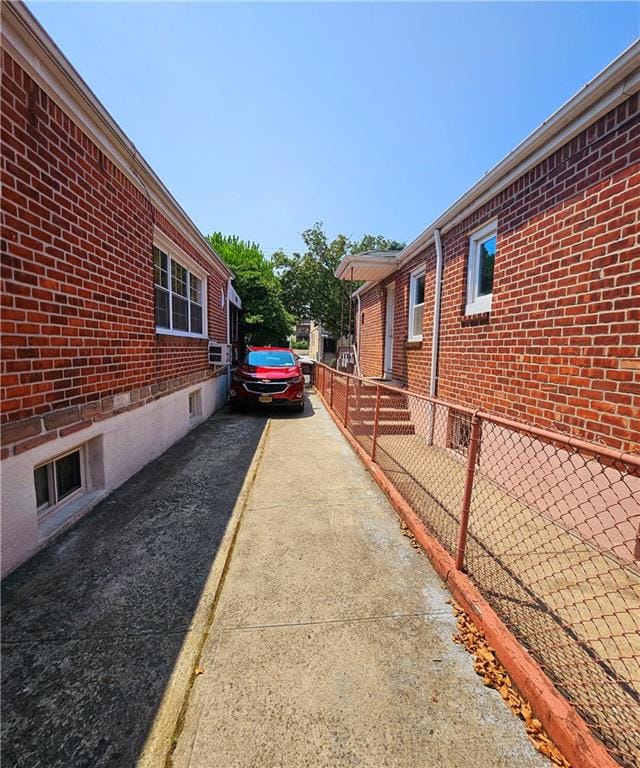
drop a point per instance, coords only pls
(358, 334)
(365, 287)
(616, 83)
(611, 87)
(27, 42)
(229, 310)
(435, 339)
(229, 332)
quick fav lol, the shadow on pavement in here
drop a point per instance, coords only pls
(278, 411)
(92, 626)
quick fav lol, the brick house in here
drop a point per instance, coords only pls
(537, 316)
(116, 311)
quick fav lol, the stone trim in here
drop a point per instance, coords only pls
(20, 436)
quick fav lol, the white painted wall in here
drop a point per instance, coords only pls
(121, 446)
(315, 341)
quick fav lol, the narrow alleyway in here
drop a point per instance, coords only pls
(328, 640)
(331, 642)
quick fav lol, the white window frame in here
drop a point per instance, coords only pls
(413, 282)
(173, 253)
(195, 399)
(478, 304)
(44, 510)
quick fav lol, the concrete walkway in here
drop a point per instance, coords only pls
(330, 644)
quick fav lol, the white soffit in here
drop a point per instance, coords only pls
(367, 266)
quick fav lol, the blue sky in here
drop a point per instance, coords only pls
(371, 117)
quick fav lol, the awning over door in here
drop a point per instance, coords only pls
(371, 266)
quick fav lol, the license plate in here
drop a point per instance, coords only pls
(265, 399)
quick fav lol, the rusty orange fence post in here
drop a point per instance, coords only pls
(474, 441)
(346, 401)
(376, 418)
(331, 391)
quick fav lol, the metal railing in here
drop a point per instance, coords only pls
(547, 527)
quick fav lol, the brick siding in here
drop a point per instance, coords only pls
(77, 272)
(372, 314)
(561, 345)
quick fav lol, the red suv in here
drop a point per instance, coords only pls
(268, 375)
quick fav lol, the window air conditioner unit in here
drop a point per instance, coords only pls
(218, 353)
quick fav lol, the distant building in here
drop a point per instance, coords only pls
(323, 346)
(300, 332)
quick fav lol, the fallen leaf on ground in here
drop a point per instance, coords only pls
(495, 676)
(199, 671)
(406, 532)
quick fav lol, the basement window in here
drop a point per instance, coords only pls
(482, 256)
(195, 407)
(416, 304)
(459, 433)
(179, 296)
(58, 480)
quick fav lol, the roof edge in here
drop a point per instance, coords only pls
(371, 257)
(30, 45)
(364, 288)
(614, 84)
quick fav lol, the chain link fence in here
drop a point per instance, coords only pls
(546, 526)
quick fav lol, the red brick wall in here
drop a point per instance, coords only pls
(408, 357)
(561, 345)
(77, 278)
(372, 310)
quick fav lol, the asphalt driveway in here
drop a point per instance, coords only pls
(93, 625)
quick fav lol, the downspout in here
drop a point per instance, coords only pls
(435, 338)
(229, 333)
(350, 312)
(358, 335)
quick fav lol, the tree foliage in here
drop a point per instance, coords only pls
(264, 319)
(310, 288)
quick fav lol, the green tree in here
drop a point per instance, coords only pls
(310, 288)
(264, 319)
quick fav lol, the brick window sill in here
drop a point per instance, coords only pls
(480, 318)
(413, 345)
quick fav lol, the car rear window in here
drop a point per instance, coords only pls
(271, 359)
